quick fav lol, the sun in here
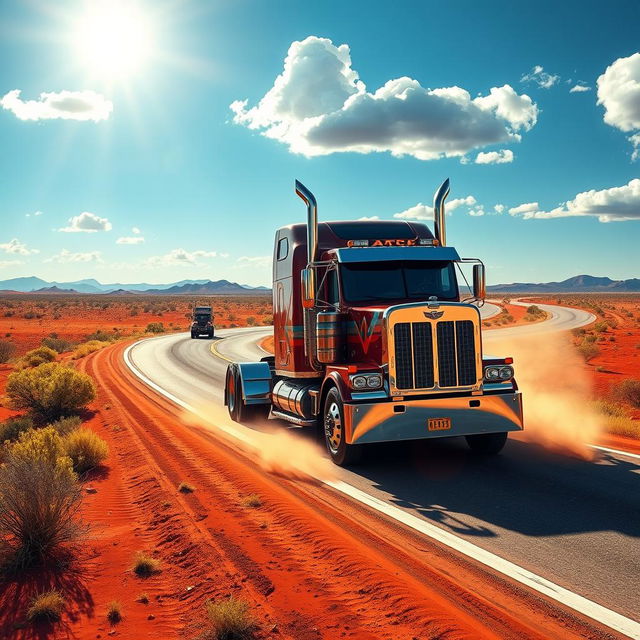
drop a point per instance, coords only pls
(113, 38)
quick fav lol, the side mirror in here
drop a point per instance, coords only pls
(479, 282)
(307, 277)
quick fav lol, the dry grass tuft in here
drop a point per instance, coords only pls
(46, 607)
(143, 598)
(86, 449)
(114, 612)
(228, 619)
(89, 347)
(252, 501)
(145, 565)
(185, 487)
(627, 391)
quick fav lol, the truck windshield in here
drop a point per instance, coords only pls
(398, 280)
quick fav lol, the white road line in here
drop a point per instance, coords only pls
(578, 603)
(616, 451)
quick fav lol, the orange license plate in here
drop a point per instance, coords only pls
(439, 424)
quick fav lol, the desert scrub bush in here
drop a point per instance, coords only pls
(86, 348)
(627, 391)
(86, 449)
(252, 501)
(588, 350)
(102, 336)
(228, 619)
(609, 408)
(57, 344)
(185, 487)
(11, 429)
(155, 327)
(50, 391)
(600, 327)
(46, 607)
(39, 500)
(7, 349)
(145, 565)
(64, 426)
(114, 612)
(36, 357)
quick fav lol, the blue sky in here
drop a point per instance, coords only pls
(142, 136)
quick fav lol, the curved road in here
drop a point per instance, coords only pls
(573, 522)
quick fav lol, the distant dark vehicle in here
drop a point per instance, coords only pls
(202, 322)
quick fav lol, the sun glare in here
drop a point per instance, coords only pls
(113, 38)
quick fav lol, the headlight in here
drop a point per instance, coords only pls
(358, 382)
(500, 373)
(366, 381)
(506, 373)
(492, 373)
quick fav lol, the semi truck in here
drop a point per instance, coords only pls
(374, 341)
(202, 322)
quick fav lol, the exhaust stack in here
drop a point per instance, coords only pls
(312, 221)
(438, 212)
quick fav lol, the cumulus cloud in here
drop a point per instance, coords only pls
(369, 218)
(318, 106)
(65, 105)
(88, 223)
(425, 212)
(66, 256)
(254, 261)
(579, 88)
(130, 240)
(177, 257)
(476, 211)
(498, 208)
(16, 247)
(608, 205)
(135, 230)
(619, 94)
(539, 76)
(35, 214)
(495, 157)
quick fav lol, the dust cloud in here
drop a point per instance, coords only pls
(557, 393)
(277, 449)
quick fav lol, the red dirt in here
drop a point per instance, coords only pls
(311, 564)
(74, 317)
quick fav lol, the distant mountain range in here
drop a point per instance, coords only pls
(577, 284)
(33, 284)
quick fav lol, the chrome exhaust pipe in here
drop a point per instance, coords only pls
(440, 196)
(312, 221)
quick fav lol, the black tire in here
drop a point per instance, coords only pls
(341, 453)
(193, 336)
(487, 444)
(238, 410)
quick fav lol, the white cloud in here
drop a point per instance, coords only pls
(67, 105)
(539, 76)
(609, 205)
(619, 93)
(35, 214)
(425, 212)
(66, 256)
(17, 248)
(9, 263)
(498, 208)
(130, 240)
(88, 223)
(495, 157)
(177, 257)
(135, 230)
(369, 218)
(579, 88)
(476, 211)
(524, 209)
(254, 261)
(318, 106)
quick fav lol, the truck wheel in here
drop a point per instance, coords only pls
(341, 453)
(238, 410)
(487, 444)
(193, 335)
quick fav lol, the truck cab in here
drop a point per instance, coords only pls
(202, 322)
(373, 341)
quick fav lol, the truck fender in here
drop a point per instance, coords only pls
(334, 379)
(255, 382)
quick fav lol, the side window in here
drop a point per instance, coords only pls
(333, 296)
(283, 248)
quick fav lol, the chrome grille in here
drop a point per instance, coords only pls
(414, 354)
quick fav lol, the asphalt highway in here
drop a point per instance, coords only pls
(573, 522)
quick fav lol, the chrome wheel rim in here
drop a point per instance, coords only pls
(333, 427)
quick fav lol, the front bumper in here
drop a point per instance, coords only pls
(408, 420)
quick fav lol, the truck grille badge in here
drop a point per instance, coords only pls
(434, 315)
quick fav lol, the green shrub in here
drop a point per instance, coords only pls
(39, 500)
(86, 348)
(102, 336)
(12, 428)
(228, 619)
(46, 607)
(65, 426)
(155, 327)
(86, 449)
(36, 357)
(627, 391)
(50, 391)
(7, 349)
(588, 350)
(57, 344)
